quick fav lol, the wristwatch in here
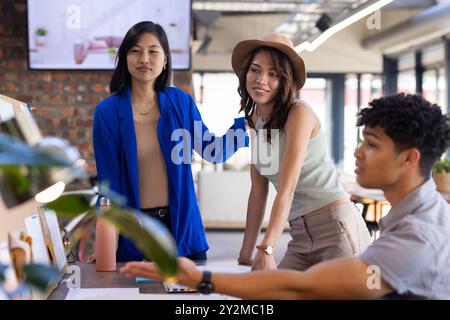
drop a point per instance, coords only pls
(205, 286)
(267, 249)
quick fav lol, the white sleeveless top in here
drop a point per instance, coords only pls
(318, 184)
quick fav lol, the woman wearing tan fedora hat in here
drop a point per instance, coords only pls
(324, 222)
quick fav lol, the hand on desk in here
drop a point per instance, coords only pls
(264, 262)
(187, 275)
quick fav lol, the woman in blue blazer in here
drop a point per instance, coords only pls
(143, 139)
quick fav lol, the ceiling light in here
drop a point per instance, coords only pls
(244, 6)
(361, 13)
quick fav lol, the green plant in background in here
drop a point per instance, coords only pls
(442, 165)
(22, 165)
(41, 32)
(112, 51)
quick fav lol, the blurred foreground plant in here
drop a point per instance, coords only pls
(22, 167)
(149, 235)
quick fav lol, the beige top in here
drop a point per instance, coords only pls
(153, 187)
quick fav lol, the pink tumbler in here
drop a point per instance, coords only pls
(105, 241)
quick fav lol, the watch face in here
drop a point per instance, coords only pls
(269, 250)
(205, 288)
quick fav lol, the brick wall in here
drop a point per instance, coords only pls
(64, 100)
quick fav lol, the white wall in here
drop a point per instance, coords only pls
(14, 219)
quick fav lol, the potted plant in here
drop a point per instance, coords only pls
(441, 174)
(40, 37)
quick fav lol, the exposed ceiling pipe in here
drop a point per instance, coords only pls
(428, 25)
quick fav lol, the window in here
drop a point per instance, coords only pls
(314, 94)
(407, 82)
(370, 89)
(430, 85)
(219, 102)
(441, 88)
(406, 76)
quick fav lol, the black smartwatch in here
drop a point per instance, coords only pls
(205, 286)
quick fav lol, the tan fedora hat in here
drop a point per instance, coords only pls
(274, 40)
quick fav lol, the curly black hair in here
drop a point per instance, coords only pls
(411, 122)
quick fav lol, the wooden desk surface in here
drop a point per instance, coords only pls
(90, 278)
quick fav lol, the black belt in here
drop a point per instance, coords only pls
(157, 212)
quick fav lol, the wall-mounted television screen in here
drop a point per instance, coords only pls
(85, 34)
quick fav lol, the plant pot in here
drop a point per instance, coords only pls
(40, 41)
(442, 180)
(112, 57)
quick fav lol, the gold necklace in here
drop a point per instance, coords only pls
(144, 113)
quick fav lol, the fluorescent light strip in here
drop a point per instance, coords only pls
(243, 6)
(302, 46)
(311, 46)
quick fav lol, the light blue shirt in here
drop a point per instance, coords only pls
(413, 250)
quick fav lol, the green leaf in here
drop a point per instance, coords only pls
(41, 31)
(71, 205)
(40, 276)
(149, 235)
(23, 169)
(15, 178)
(442, 165)
(14, 152)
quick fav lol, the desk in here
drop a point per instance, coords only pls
(90, 278)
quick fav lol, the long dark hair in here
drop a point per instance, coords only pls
(121, 77)
(284, 99)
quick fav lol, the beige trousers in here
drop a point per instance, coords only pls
(325, 234)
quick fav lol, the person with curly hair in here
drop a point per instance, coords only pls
(403, 136)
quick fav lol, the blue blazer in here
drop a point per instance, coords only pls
(115, 152)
